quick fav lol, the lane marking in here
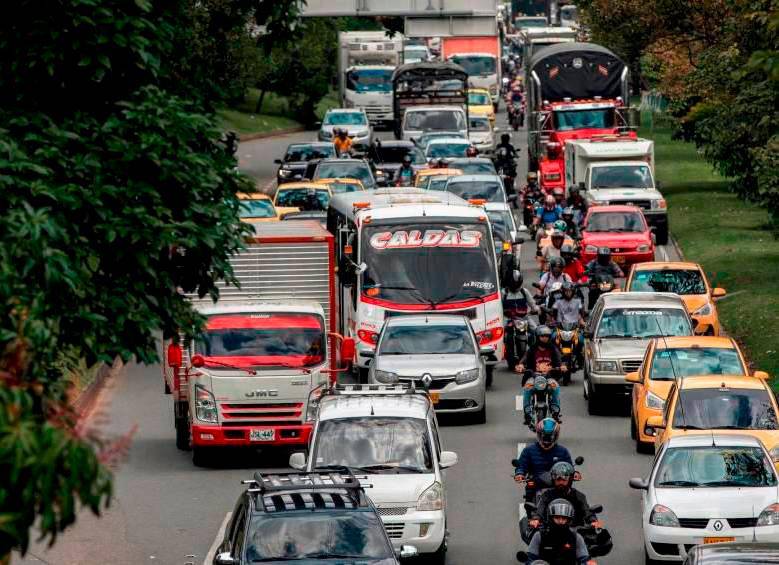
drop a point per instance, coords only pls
(219, 537)
(663, 252)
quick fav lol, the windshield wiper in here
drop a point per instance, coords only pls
(325, 555)
(727, 484)
(679, 484)
(390, 467)
(338, 467)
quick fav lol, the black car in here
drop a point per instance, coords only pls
(292, 168)
(737, 553)
(387, 157)
(309, 518)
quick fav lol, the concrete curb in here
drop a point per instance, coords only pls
(267, 134)
(86, 400)
(677, 248)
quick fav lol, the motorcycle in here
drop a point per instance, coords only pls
(517, 117)
(598, 284)
(567, 337)
(530, 202)
(542, 397)
(516, 333)
(508, 172)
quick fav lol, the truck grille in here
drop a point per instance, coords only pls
(630, 365)
(395, 530)
(279, 413)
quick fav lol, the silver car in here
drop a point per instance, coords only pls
(354, 121)
(439, 352)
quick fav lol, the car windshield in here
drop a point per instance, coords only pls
(338, 187)
(474, 166)
(369, 80)
(476, 65)
(489, 190)
(260, 208)
(430, 120)
(477, 123)
(305, 199)
(346, 170)
(643, 323)
(427, 340)
(601, 118)
(725, 408)
(383, 154)
(667, 364)
(679, 281)
(502, 226)
(443, 150)
(307, 152)
(417, 263)
(345, 119)
(375, 445)
(478, 99)
(282, 536)
(624, 176)
(425, 139)
(712, 466)
(248, 340)
(615, 222)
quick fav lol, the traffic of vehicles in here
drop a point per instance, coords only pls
(398, 293)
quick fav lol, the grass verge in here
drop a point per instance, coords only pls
(730, 238)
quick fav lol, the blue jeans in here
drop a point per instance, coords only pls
(554, 398)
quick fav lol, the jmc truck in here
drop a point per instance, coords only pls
(253, 375)
(403, 251)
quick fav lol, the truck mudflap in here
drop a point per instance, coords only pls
(246, 436)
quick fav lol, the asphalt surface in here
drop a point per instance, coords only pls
(167, 511)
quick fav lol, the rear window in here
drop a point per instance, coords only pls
(707, 467)
(690, 362)
(679, 281)
(491, 191)
(724, 409)
(432, 120)
(615, 222)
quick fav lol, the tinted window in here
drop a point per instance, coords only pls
(668, 280)
(479, 124)
(443, 150)
(622, 177)
(315, 535)
(344, 119)
(436, 183)
(257, 209)
(501, 225)
(427, 340)
(615, 222)
(727, 408)
(475, 64)
(491, 191)
(383, 154)
(478, 99)
(304, 199)
(715, 467)
(369, 80)
(339, 187)
(644, 323)
(473, 166)
(306, 152)
(690, 362)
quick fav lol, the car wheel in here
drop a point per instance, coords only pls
(439, 557)
(490, 373)
(182, 433)
(167, 387)
(593, 403)
(362, 375)
(480, 417)
(585, 384)
(633, 432)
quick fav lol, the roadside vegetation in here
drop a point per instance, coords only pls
(729, 237)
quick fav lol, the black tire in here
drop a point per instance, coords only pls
(362, 375)
(202, 456)
(480, 417)
(514, 125)
(661, 235)
(633, 432)
(167, 388)
(593, 402)
(439, 557)
(182, 433)
(490, 370)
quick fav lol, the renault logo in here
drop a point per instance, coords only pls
(427, 380)
(718, 526)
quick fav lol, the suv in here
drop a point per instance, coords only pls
(353, 120)
(389, 433)
(302, 517)
(618, 333)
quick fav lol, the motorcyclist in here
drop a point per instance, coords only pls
(571, 227)
(504, 163)
(563, 475)
(557, 543)
(539, 457)
(553, 249)
(573, 265)
(578, 203)
(553, 275)
(559, 196)
(549, 213)
(471, 151)
(569, 308)
(601, 265)
(505, 143)
(343, 143)
(516, 297)
(541, 357)
(405, 174)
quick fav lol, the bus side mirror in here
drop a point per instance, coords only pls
(175, 355)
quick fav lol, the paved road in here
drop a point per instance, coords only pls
(167, 511)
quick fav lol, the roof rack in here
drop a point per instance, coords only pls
(279, 492)
(396, 389)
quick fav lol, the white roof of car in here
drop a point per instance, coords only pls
(346, 111)
(427, 319)
(475, 178)
(435, 108)
(722, 440)
(642, 300)
(302, 307)
(448, 141)
(400, 405)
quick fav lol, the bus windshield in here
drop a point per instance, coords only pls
(436, 263)
(369, 80)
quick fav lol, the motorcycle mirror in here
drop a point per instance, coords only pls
(521, 556)
(515, 462)
(597, 509)
(579, 460)
(511, 197)
(277, 161)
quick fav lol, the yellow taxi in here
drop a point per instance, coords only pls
(671, 358)
(724, 404)
(422, 178)
(341, 185)
(480, 104)
(257, 207)
(688, 281)
(303, 195)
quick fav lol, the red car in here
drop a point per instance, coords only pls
(623, 229)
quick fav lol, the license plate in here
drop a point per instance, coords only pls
(566, 350)
(262, 434)
(435, 397)
(717, 540)
(619, 259)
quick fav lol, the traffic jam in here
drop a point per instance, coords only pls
(403, 264)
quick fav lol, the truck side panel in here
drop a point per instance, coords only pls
(460, 45)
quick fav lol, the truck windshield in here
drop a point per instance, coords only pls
(622, 176)
(600, 118)
(530, 22)
(369, 80)
(667, 364)
(478, 99)
(436, 263)
(476, 65)
(251, 340)
(643, 323)
(435, 120)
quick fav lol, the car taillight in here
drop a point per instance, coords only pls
(368, 336)
(488, 336)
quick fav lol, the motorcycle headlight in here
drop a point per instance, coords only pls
(566, 335)
(385, 377)
(769, 516)
(284, 173)
(605, 286)
(663, 516)
(654, 401)
(432, 498)
(642, 248)
(205, 405)
(704, 310)
(605, 367)
(521, 325)
(466, 376)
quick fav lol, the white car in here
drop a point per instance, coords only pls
(482, 134)
(353, 120)
(708, 488)
(387, 435)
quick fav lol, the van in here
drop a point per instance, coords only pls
(424, 119)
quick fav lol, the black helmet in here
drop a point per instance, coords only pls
(547, 431)
(556, 262)
(505, 138)
(560, 508)
(471, 151)
(543, 331)
(562, 470)
(604, 252)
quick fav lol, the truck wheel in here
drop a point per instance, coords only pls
(661, 235)
(182, 434)
(362, 375)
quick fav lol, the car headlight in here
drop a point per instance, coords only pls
(284, 173)
(314, 397)
(642, 248)
(704, 310)
(654, 401)
(605, 367)
(432, 498)
(466, 376)
(663, 516)
(362, 133)
(591, 249)
(385, 377)
(326, 134)
(205, 405)
(659, 204)
(769, 516)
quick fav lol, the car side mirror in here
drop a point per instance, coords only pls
(718, 292)
(278, 161)
(658, 185)
(582, 186)
(447, 459)
(695, 322)
(486, 351)
(761, 375)
(633, 377)
(224, 558)
(655, 422)
(298, 461)
(638, 483)
(407, 552)
(512, 198)
(597, 509)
